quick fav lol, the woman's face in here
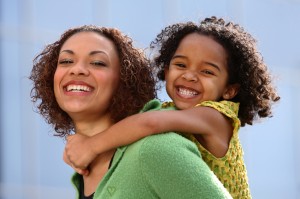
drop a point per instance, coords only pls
(87, 75)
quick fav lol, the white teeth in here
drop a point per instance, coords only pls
(78, 88)
(187, 92)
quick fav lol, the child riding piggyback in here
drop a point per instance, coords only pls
(218, 82)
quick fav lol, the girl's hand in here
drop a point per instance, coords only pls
(79, 153)
(80, 171)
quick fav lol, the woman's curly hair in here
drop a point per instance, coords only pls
(245, 64)
(136, 86)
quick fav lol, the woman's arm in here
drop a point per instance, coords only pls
(207, 122)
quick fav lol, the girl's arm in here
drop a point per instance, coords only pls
(207, 122)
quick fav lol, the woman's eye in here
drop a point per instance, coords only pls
(98, 63)
(65, 61)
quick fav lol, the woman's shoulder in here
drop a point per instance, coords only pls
(162, 149)
(152, 105)
(167, 142)
(159, 158)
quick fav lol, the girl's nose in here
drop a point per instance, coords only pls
(190, 76)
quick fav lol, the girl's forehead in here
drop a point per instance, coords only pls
(198, 49)
(201, 42)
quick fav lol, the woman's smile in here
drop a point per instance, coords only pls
(78, 88)
(87, 75)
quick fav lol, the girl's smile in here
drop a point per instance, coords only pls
(185, 92)
(197, 71)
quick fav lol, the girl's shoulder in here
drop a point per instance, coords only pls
(228, 108)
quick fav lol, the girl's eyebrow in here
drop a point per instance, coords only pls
(213, 65)
(178, 56)
(208, 63)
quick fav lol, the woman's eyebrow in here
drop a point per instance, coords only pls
(67, 51)
(98, 51)
(91, 53)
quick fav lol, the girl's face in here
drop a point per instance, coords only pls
(198, 72)
(87, 75)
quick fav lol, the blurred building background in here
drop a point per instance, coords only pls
(31, 165)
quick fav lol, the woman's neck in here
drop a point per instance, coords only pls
(97, 170)
(92, 126)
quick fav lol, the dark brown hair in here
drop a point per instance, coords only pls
(136, 87)
(245, 64)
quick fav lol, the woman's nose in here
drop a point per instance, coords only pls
(79, 69)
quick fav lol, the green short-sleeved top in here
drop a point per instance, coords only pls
(166, 166)
(230, 169)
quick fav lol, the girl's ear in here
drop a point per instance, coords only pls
(231, 91)
(166, 71)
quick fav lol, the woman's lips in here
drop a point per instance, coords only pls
(77, 87)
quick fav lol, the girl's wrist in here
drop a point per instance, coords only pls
(93, 144)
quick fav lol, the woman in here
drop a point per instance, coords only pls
(93, 77)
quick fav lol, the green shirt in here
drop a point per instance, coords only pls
(159, 166)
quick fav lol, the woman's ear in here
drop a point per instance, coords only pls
(231, 91)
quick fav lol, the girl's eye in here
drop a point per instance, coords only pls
(180, 65)
(65, 61)
(208, 72)
(98, 63)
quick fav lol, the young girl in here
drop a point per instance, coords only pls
(217, 81)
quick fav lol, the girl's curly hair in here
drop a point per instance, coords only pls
(136, 87)
(245, 64)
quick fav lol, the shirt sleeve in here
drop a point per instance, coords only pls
(152, 105)
(172, 167)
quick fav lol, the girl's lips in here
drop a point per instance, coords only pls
(186, 92)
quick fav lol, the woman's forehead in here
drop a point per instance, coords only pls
(89, 40)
